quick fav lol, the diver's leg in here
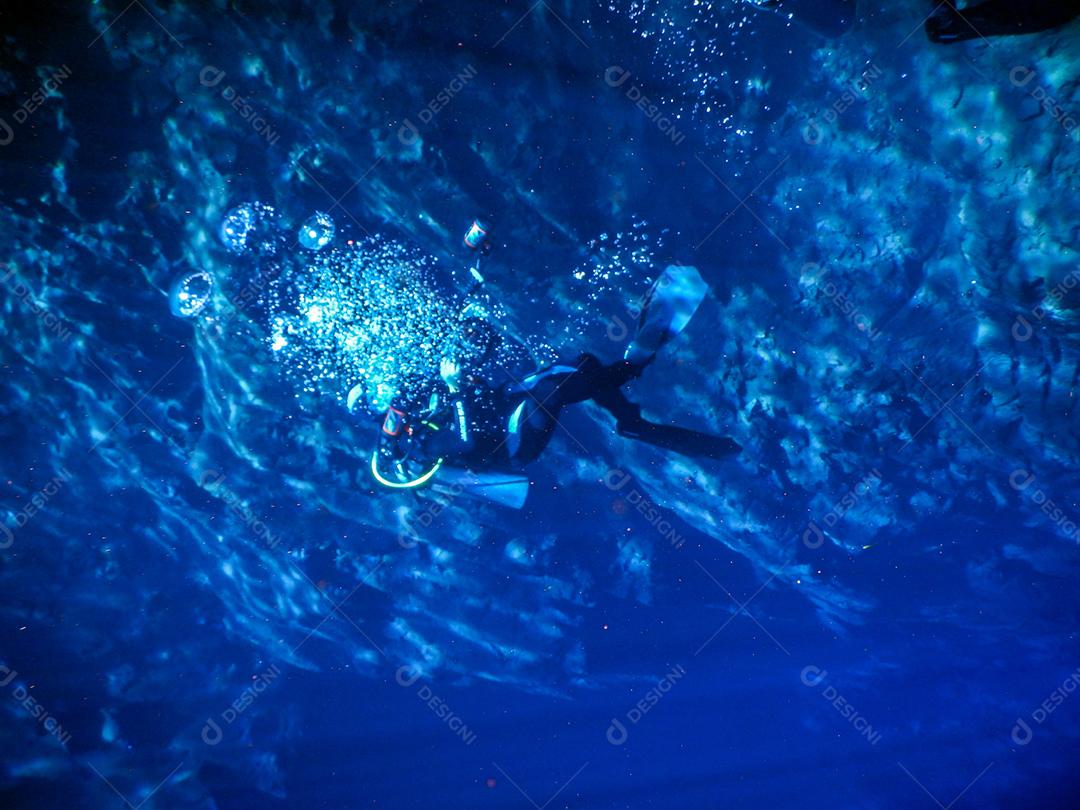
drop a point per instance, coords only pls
(603, 384)
(535, 432)
(589, 379)
(537, 411)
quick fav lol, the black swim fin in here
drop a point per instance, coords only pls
(680, 440)
(998, 18)
(668, 307)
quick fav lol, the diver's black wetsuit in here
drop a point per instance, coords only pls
(998, 18)
(513, 424)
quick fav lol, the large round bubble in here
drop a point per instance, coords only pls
(317, 232)
(190, 294)
(251, 228)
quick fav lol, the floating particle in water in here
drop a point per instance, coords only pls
(251, 228)
(190, 294)
(317, 232)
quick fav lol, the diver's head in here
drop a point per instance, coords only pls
(478, 340)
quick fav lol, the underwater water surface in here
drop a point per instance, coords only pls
(233, 234)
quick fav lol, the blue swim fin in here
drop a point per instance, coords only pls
(668, 307)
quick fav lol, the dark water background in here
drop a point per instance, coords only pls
(882, 224)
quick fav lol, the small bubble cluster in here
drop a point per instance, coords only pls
(616, 260)
(190, 294)
(317, 232)
(614, 274)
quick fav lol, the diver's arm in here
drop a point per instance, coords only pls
(460, 435)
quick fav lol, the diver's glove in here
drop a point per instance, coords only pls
(451, 374)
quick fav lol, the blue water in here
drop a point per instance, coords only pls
(208, 603)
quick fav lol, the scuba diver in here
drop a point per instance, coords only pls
(998, 18)
(477, 436)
